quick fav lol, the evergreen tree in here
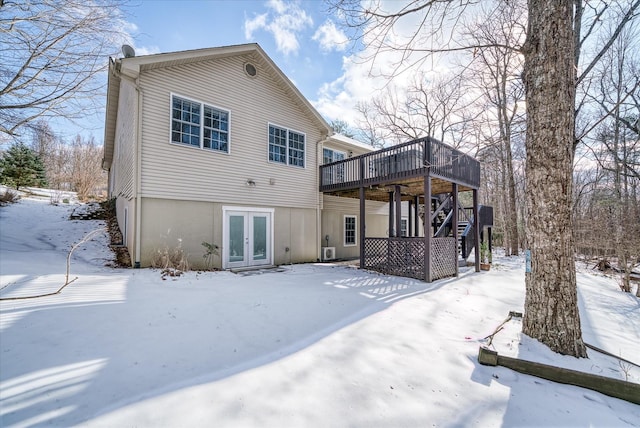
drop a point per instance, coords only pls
(21, 166)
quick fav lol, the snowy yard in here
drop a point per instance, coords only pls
(316, 345)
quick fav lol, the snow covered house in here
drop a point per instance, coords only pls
(218, 146)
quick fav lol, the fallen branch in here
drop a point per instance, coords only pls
(85, 239)
(512, 314)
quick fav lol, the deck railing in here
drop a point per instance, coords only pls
(412, 159)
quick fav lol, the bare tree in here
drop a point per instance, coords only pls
(597, 27)
(342, 127)
(52, 54)
(54, 154)
(495, 71)
(550, 51)
(608, 112)
(369, 129)
(435, 106)
(86, 173)
(75, 166)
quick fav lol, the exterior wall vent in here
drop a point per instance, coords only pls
(328, 253)
(250, 69)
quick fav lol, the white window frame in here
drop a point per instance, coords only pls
(404, 221)
(355, 230)
(202, 105)
(338, 173)
(225, 229)
(287, 147)
(333, 153)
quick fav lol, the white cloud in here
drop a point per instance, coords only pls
(284, 21)
(278, 5)
(147, 50)
(337, 99)
(330, 37)
(252, 25)
(128, 34)
(366, 74)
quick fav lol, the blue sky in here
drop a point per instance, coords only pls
(285, 30)
(301, 36)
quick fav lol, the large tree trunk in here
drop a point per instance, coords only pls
(551, 308)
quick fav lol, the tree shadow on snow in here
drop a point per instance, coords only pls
(109, 342)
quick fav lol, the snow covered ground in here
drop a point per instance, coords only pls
(316, 345)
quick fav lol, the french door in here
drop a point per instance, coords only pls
(248, 238)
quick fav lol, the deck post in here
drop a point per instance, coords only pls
(410, 220)
(391, 220)
(398, 201)
(416, 217)
(454, 225)
(427, 231)
(476, 228)
(362, 227)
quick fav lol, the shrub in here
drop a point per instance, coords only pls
(172, 261)
(20, 167)
(210, 250)
(8, 197)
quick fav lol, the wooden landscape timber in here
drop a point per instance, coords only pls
(616, 388)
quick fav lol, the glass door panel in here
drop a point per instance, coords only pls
(259, 237)
(248, 239)
(236, 238)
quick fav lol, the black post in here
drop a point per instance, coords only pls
(454, 224)
(410, 220)
(391, 220)
(416, 217)
(476, 228)
(362, 228)
(398, 201)
(427, 231)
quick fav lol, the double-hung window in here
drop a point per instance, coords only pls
(286, 146)
(330, 155)
(334, 174)
(349, 230)
(199, 125)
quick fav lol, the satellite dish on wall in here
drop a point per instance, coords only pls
(128, 51)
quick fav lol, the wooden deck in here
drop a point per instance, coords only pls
(406, 165)
(415, 171)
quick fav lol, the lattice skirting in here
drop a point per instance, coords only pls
(444, 258)
(405, 257)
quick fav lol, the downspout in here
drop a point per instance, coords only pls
(138, 174)
(319, 145)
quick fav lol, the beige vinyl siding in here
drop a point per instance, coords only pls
(333, 212)
(175, 171)
(172, 224)
(124, 163)
(336, 203)
(295, 230)
(125, 213)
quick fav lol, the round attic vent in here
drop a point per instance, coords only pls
(250, 69)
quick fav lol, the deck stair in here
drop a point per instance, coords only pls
(466, 241)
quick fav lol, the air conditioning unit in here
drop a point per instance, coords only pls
(328, 253)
